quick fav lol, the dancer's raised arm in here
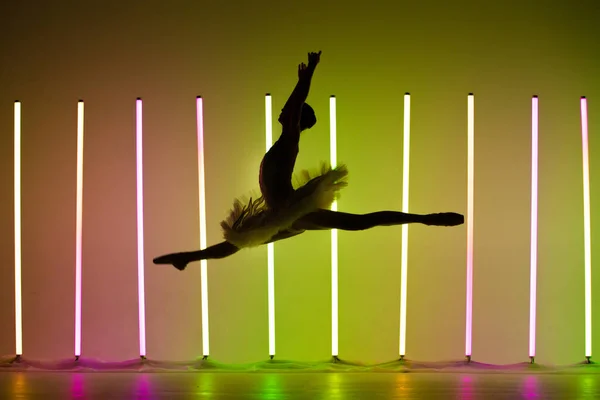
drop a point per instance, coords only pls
(290, 115)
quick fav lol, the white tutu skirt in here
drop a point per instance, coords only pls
(252, 223)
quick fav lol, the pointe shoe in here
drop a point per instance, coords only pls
(178, 260)
(444, 219)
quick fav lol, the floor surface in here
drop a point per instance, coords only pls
(294, 385)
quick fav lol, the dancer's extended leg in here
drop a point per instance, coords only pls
(319, 220)
(327, 219)
(221, 250)
(181, 260)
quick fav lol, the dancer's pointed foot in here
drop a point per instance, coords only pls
(444, 219)
(178, 260)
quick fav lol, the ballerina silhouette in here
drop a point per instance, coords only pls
(285, 210)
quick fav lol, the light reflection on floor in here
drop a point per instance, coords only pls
(291, 385)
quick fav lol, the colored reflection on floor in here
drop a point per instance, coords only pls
(267, 386)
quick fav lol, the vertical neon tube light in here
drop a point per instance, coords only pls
(404, 260)
(202, 214)
(534, 226)
(587, 229)
(470, 201)
(140, 227)
(270, 246)
(17, 189)
(78, 228)
(334, 233)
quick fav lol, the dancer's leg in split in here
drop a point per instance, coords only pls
(327, 219)
(181, 260)
(221, 250)
(277, 166)
(319, 220)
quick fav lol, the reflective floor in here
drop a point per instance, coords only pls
(264, 385)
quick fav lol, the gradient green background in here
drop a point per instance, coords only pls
(232, 53)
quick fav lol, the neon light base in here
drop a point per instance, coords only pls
(15, 359)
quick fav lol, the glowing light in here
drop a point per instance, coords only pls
(18, 295)
(587, 228)
(78, 386)
(270, 246)
(140, 228)
(404, 260)
(530, 388)
(534, 225)
(334, 233)
(202, 213)
(78, 228)
(470, 182)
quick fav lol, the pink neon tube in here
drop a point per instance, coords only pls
(470, 201)
(534, 226)
(140, 227)
(78, 228)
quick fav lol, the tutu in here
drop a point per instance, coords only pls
(252, 223)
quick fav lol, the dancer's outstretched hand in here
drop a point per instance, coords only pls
(314, 58)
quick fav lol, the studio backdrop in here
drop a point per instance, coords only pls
(95, 183)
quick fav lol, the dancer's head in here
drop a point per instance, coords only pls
(308, 119)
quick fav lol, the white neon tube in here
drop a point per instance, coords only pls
(334, 232)
(202, 213)
(270, 246)
(405, 197)
(587, 228)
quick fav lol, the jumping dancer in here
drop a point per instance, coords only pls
(286, 209)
